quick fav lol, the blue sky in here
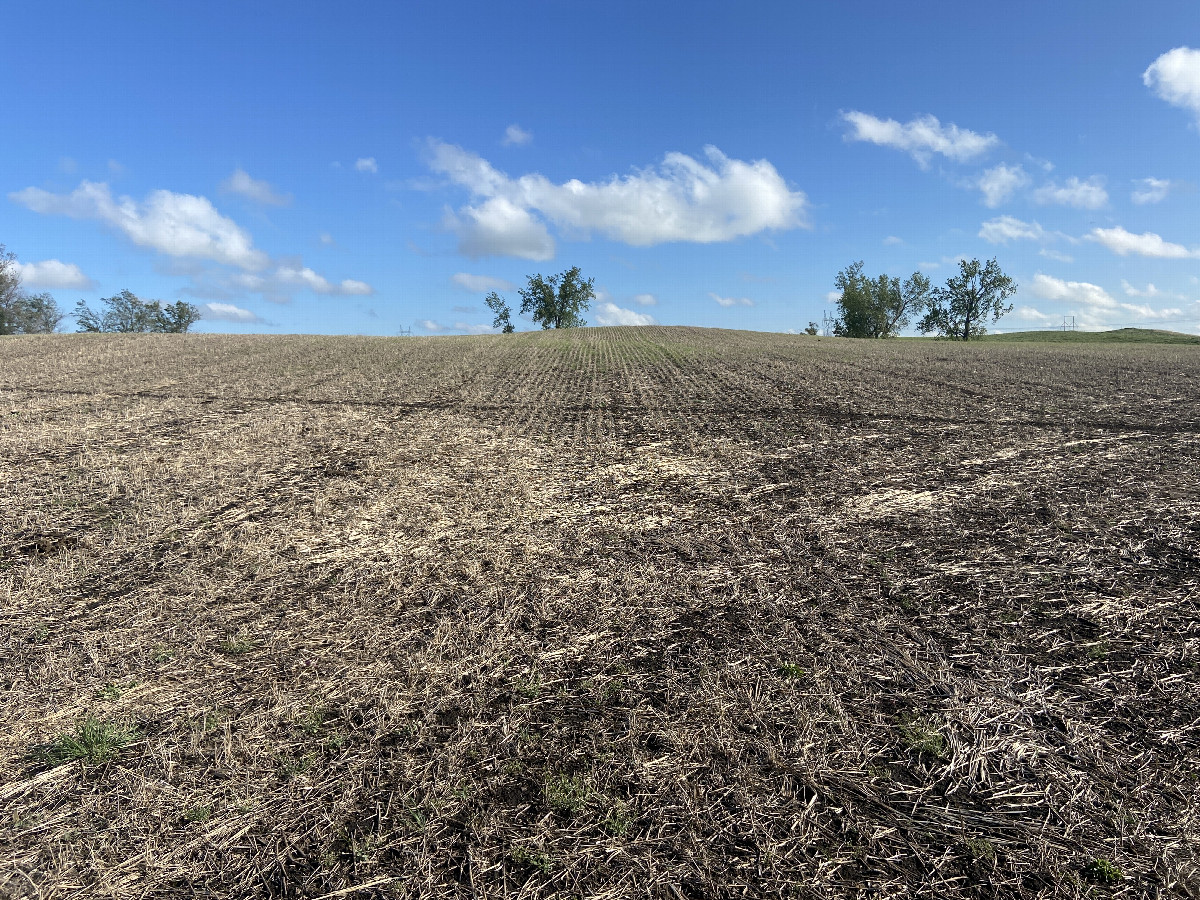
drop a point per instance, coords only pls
(367, 167)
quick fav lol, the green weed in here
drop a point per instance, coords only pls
(93, 741)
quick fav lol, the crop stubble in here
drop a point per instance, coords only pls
(605, 613)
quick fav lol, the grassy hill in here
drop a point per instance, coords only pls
(1119, 335)
(661, 612)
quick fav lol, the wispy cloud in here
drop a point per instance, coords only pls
(732, 301)
(1151, 190)
(477, 284)
(1006, 228)
(920, 137)
(241, 183)
(367, 164)
(645, 299)
(1000, 182)
(516, 136)
(1088, 194)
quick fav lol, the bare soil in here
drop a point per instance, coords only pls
(664, 612)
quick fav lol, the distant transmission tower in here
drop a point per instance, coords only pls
(1068, 326)
(826, 323)
(404, 332)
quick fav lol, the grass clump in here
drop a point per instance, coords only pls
(93, 741)
(923, 736)
(1104, 870)
(566, 794)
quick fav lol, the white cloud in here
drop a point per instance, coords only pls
(1000, 182)
(1094, 306)
(645, 300)
(430, 325)
(1148, 291)
(52, 273)
(1122, 243)
(304, 277)
(477, 284)
(473, 328)
(1055, 255)
(681, 200)
(920, 137)
(892, 241)
(516, 136)
(833, 296)
(367, 164)
(240, 182)
(1049, 288)
(1175, 77)
(498, 227)
(1088, 194)
(180, 225)
(611, 314)
(1152, 190)
(326, 238)
(1006, 228)
(1029, 314)
(733, 301)
(227, 312)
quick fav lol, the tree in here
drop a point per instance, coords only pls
(126, 313)
(812, 328)
(978, 292)
(557, 301)
(880, 307)
(22, 313)
(503, 319)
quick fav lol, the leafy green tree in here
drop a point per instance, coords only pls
(22, 313)
(503, 319)
(126, 313)
(812, 328)
(959, 310)
(877, 307)
(557, 301)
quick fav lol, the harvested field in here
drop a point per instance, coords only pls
(660, 612)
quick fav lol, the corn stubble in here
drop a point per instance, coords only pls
(608, 613)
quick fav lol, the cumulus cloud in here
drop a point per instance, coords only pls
(920, 137)
(499, 227)
(1122, 243)
(892, 241)
(52, 273)
(227, 312)
(1152, 190)
(1094, 305)
(1006, 228)
(1055, 255)
(1029, 314)
(683, 199)
(609, 313)
(303, 277)
(1082, 292)
(240, 182)
(645, 300)
(180, 225)
(477, 284)
(1088, 194)
(516, 136)
(367, 164)
(1000, 182)
(733, 301)
(1175, 77)
(432, 326)
(473, 328)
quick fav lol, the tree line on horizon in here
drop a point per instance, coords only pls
(879, 307)
(25, 313)
(882, 307)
